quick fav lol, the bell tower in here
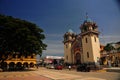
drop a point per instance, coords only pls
(69, 37)
(90, 41)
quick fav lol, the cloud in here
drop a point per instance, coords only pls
(55, 45)
(109, 39)
(54, 49)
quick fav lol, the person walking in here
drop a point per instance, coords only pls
(69, 67)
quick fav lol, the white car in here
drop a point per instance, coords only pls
(50, 66)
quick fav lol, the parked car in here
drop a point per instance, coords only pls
(58, 67)
(50, 66)
(83, 68)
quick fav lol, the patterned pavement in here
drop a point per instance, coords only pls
(43, 74)
(21, 76)
(57, 75)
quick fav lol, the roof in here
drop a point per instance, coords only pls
(87, 18)
(70, 31)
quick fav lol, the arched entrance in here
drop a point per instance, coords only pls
(19, 66)
(25, 65)
(31, 64)
(4, 66)
(78, 58)
(11, 66)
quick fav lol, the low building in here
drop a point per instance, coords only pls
(16, 62)
(53, 59)
(112, 56)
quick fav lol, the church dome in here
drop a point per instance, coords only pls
(88, 20)
(70, 31)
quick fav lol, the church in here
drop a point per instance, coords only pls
(83, 47)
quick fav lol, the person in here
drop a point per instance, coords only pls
(69, 67)
(37, 66)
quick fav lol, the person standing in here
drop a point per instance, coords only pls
(69, 67)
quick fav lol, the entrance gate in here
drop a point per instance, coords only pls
(78, 58)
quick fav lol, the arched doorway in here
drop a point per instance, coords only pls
(4, 66)
(78, 58)
(11, 66)
(31, 64)
(25, 65)
(19, 66)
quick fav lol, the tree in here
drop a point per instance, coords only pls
(108, 47)
(19, 36)
(118, 49)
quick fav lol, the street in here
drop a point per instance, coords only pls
(51, 74)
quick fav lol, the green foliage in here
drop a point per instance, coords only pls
(118, 49)
(109, 47)
(20, 36)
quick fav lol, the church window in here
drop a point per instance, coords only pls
(66, 38)
(95, 39)
(66, 46)
(67, 57)
(87, 55)
(93, 28)
(85, 28)
(86, 40)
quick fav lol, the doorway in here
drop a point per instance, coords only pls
(78, 58)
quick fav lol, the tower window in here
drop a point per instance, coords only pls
(93, 28)
(95, 39)
(67, 57)
(66, 46)
(87, 55)
(86, 40)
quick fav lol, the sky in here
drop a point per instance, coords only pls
(56, 17)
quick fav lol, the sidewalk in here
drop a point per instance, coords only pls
(113, 69)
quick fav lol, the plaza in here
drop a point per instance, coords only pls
(50, 74)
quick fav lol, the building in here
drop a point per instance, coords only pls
(18, 62)
(113, 56)
(83, 47)
(53, 59)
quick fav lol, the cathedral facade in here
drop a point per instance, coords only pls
(83, 47)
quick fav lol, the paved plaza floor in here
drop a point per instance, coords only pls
(21, 76)
(51, 74)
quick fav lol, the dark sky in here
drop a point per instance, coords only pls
(55, 17)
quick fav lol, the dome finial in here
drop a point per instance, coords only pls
(86, 15)
(87, 18)
(69, 29)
